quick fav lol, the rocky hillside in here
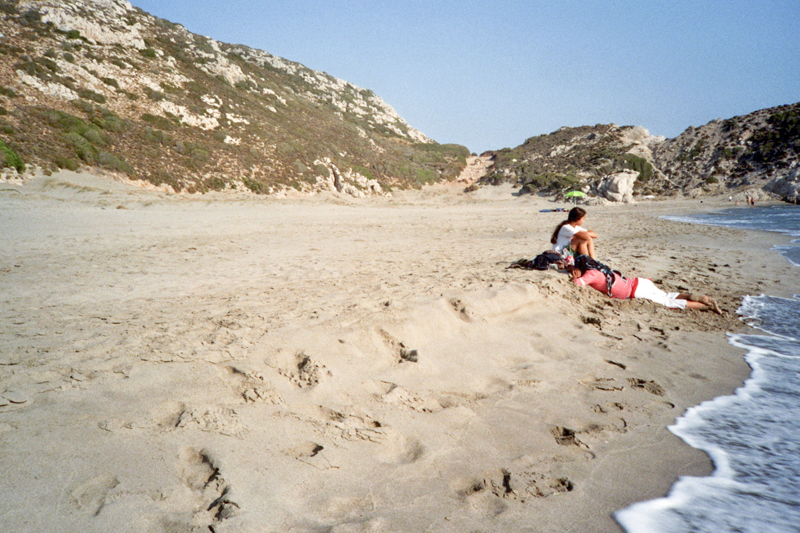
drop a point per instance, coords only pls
(101, 83)
(760, 150)
(577, 158)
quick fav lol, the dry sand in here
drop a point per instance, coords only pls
(172, 363)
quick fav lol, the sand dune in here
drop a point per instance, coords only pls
(173, 363)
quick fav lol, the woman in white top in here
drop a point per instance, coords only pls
(571, 238)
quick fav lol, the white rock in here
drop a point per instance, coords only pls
(618, 187)
(107, 25)
(787, 187)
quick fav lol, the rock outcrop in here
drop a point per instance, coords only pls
(618, 187)
(788, 186)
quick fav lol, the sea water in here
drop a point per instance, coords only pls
(753, 437)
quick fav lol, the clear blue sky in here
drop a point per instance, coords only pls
(490, 74)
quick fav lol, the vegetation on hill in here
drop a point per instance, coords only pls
(99, 83)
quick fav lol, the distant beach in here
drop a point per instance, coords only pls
(243, 363)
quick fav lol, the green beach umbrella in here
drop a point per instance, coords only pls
(575, 194)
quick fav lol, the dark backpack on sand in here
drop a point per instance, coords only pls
(540, 262)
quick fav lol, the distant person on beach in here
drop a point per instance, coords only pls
(598, 276)
(571, 238)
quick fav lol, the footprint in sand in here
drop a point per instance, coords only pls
(649, 385)
(200, 472)
(310, 453)
(465, 313)
(395, 395)
(220, 420)
(252, 386)
(604, 384)
(305, 450)
(338, 425)
(399, 449)
(608, 407)
(592, 320)
(91, 495)
(504, 484)
(403, 352)
(301, 369)
(566, 437)
(11, 400)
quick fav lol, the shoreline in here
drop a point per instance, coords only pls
(361, 365)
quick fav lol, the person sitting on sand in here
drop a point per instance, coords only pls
(571, 238)
(596, 275)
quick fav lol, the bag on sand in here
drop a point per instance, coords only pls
(540, 262)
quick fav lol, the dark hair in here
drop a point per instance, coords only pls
(575, 214)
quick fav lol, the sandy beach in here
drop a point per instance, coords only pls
(247, 364)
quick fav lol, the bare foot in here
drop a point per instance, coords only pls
(711, 304)
(714, 307)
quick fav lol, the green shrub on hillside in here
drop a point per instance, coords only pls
(215, 184)
(10, 158)
(255, 186)
(780, 140)
(113, 162)
(82, 147)
(159, 122)
(65, 122)
(154, 95)
(35, 69)
(95, 137)
(67, 162)
(110, 81)
(89, 94)
(101, 117)
(162, 177)
(639, 164)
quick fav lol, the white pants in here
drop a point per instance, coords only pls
(647, 289)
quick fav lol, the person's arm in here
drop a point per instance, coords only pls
(588, 232)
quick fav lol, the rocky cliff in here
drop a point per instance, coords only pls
(101, 83)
